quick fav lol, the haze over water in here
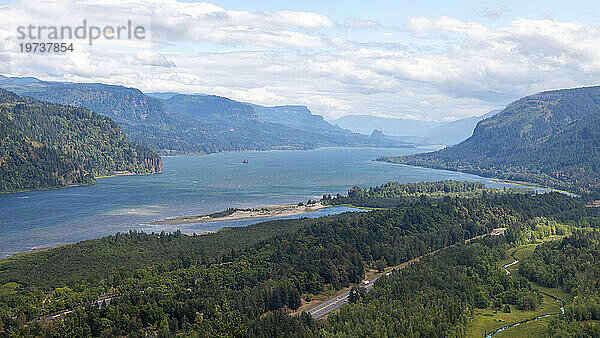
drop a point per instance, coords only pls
(192, 185)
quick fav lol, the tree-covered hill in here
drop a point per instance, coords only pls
(394, 194)
(550, 138)
(242, 281)
(238, 126)
(298, 117)
(48, 146)
(188, 123)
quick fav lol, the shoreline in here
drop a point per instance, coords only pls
(278, 210)
(269, 211)
(524, 184)
(530, 185)
(74, 185)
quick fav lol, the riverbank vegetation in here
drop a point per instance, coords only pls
(244, 281)
(393, 193)
(573, 266)
(50, 146)
(549, 138)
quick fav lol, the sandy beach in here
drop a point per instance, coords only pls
(235, 214)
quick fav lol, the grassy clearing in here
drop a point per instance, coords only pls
(534, 328)
(488, 320)
(556, 293)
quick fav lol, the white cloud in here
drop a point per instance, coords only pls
(263, 96)
(362, 23)
(451, 68)
(154, 59)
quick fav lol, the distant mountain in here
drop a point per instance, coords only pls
(162, 96)
(414, 131)
(210, 107)
(301, 118)
(365, 124)
(550, 138)
(174, 123)
(17, 81)
(49, 146)
(457, 131)
(298, 117)
(280, 127)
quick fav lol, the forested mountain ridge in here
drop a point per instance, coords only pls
(299, 117)
(49, 146)
(185, 123)
(207, 107)
(260, 128)
(550, 138)
(142, 118)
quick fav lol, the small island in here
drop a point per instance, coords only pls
(229, 214)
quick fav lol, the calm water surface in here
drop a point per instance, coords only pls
(197, 185)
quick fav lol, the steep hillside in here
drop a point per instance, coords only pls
(301, 118)
(208, 107)
(238, 123)
(298, 117)
(48, 146)
(550, 138)
(174, 123)
(457, 131)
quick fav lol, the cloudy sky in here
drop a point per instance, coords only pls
(430, 60)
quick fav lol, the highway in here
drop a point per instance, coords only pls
(336, 302)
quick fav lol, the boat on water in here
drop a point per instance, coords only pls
(245, 161)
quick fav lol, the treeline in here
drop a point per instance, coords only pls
(393, 193)
(572, 264)
(97, 261)
(550, 138)
(235, 282)
(199, 124)
(437, 296)
(47, 146)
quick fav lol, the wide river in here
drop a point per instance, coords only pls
(193, 185)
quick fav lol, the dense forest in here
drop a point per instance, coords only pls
(393, 193)
(436, 296)
(551, 138)
(48, 146)
(572, 264)
(246, 281)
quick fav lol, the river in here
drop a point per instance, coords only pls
(191, 185)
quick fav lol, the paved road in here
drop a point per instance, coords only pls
(336, 302)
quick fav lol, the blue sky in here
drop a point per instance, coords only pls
(430, 60)
(394, 12)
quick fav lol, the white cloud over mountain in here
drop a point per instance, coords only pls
(298, 57)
